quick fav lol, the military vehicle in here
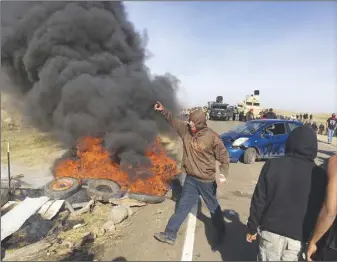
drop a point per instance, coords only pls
(251, 102)
(219, 99)
(220, 111)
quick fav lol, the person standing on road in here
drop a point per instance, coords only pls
(321, 129)
(202, 147)
(250, 115)
(323, 244)
(314, 127)
(287, 199)
(241, 116)
(305, 116)
(235, 113)
(332, 122)
(270, 114)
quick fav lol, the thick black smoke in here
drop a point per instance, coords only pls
(80, 66)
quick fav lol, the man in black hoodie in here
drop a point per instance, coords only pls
(287, 199)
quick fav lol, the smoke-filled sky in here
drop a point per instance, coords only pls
(80, 69)
(286, 49)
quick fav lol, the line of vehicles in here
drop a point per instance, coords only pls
(221, 111)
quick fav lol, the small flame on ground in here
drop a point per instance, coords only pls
(95, 162)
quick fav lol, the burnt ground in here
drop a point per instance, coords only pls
(135, 241)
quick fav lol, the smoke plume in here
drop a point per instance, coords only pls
(80, 67)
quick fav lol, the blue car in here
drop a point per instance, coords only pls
(258, 139)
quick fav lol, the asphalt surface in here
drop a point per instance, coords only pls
(138, 243)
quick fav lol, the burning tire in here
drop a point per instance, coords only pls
(151, 199)
(61, 188)
(103, 190)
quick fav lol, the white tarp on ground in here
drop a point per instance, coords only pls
(14, 219)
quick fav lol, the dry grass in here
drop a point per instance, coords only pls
(27, 146)
(94, 222)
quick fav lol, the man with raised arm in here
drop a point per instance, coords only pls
(201, 148)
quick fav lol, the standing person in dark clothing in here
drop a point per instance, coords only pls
(324, 238)
(314, 127)
(235, 113)
(250, 115)
(301, 117)
(332, 122)
(297, 116)
(270, 114)
(321, 129)
(241, 116)
(202, 147)
(310, 117)
(287, 199)
(307, 123)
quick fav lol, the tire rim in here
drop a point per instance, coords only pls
(61, 184)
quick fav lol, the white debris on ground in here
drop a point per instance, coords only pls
(70, 230)
(14, 219)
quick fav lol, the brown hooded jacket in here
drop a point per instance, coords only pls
(202, 149)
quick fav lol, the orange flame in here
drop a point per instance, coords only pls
(94, 162)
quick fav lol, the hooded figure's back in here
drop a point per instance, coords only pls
(295, 187)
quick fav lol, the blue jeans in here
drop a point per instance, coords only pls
(330, 134)
(191, 191)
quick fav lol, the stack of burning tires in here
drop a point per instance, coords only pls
(97, 189)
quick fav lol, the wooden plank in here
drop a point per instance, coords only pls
(45, 207)
(53, 209)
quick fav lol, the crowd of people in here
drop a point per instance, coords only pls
(327, 129)
(294, 205)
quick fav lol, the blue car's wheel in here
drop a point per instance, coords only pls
(249, 156)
